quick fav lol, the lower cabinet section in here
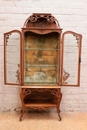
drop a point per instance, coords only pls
(40, 98)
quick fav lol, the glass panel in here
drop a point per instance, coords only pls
(71, 58)
(41, 59)
(13, 58)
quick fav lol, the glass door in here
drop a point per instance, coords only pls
(12, 57)
(71, 58)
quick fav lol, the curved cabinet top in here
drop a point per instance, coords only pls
(41, 21)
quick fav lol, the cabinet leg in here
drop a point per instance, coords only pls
(22, 113)
(58, 111)
(58, 104)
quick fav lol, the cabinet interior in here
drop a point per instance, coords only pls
(41, 58)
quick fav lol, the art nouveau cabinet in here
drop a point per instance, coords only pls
(40, 59)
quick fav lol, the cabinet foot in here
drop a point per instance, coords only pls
(60, 118)
(21, 118)
(22, 113)
(58, 111)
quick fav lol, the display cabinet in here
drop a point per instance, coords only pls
(41, 59)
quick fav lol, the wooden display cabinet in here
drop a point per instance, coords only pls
(40, 59)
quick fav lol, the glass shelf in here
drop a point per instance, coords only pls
(26, 49)
(29, 65)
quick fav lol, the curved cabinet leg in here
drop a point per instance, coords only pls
(23, 106)
(58, 111)
(58, 104)
(22, 113)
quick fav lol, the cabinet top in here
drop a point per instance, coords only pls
(41, 20)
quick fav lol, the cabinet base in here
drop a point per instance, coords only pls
(40, 98)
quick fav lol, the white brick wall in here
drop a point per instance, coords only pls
(72, 15)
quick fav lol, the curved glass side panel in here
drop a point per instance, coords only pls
(12, 57)
(71, 58)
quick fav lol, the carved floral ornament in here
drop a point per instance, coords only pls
(7, 37)
(77, 39)
(28, 91)
(33, 18)
(65, 76)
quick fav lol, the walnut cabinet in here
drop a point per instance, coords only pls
(41, 59)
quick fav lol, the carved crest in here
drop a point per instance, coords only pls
(41, 20)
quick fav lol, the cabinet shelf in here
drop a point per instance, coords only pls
(42, 66)
(40, 105)
(40, 98)
(26, 49)
(41, 83)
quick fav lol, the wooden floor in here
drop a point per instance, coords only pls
(43, 121)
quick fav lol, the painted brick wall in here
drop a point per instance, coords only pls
(72, 15)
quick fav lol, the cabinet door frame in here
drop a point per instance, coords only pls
(79, 58)
(6, 36)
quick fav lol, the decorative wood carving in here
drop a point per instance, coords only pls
(78, 39)
(42, 20)
(18, 74)
(28, 92)
(65, 76)
(7, 37)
